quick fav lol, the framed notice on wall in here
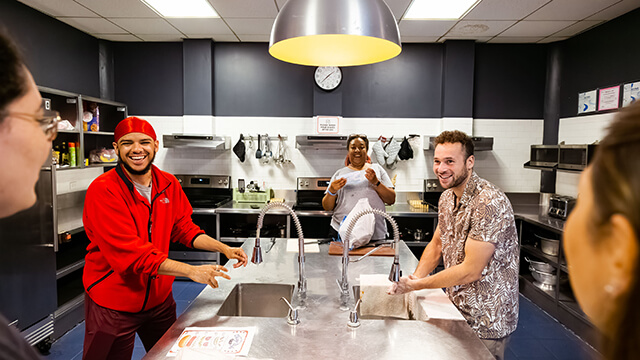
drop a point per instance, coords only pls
(630, 93)
(587, 102)
(609, 98)
(327, 124)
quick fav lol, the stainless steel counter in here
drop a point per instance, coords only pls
(323, 332)
(536, 215)
(249, 208)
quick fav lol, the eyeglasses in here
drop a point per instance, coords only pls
(48, 121)
(353, 136)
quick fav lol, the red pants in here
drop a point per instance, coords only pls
(110, 334)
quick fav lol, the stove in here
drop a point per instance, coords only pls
(310, 191)
(432, 192)
(205, 193)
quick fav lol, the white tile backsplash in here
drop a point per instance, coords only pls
(503, 166)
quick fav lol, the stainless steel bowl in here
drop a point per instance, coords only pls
(549, 246)
(543, 277)
(540, 266)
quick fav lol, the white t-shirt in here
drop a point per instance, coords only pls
(358, 187)
(145, 191)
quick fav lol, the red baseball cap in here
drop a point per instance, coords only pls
(133, 124)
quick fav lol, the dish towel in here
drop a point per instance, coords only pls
(376, 302)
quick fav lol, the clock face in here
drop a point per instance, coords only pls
(328, 77)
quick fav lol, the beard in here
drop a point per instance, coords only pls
(137, 172)
(458, 179)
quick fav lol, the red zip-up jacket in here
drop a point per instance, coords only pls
(129, 239)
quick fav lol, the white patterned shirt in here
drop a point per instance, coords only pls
(483, 213)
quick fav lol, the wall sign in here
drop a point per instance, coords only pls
(630, 93)
(327, 124)
(609, 98)
(587, 102)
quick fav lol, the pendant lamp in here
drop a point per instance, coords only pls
(335, 33)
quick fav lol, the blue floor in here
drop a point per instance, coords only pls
(539, 336)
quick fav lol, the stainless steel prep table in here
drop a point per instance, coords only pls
(323, 332)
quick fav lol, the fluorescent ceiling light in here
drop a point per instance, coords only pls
(439, 9)
(182, 8)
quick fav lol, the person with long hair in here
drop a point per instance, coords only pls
(601, 237)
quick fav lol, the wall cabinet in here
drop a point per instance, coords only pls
(558, 299)
(69, 184)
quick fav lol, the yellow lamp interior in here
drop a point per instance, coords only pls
(334, 50)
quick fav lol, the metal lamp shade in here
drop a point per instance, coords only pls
(335, 33)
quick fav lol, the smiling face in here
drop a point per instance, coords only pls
(358, 152)
(136, 152)
(450, 165)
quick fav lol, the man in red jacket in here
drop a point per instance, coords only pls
(131, 214)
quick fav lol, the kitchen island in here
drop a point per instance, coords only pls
(323, 332)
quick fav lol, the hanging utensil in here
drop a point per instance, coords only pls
(268, 146)
(259, 151)
(266, 155)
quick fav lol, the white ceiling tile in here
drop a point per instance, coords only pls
(245, 8)
(68, 8)
(251, 26)
(536, 28)
(551, 39)
(477, 38)
(93, 25)
(201, 26)
(398, 7)
(146, 26)
(117, 37)
(420, 39)
(577, 28)
(479, 28)
(425, 27)
(504, 9)
(570, 9)
(514, 40)
(217, 38)
(616, 10)
(119, 8)
(160, 37)
(254, 38)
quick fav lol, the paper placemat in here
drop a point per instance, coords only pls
(226, 340)
(436, 305)
(292, 246)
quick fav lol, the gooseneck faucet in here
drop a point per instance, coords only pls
(395, 273)
(256, 258)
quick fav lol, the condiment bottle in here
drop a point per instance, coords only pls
(72, 154)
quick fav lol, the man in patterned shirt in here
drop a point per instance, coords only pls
(476, 238)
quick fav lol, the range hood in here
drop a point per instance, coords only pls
(324, 142)
(479, 143)
(214, 142)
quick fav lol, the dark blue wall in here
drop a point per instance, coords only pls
(148, 77)
(509, 81)
(605, 56)
(58, 55)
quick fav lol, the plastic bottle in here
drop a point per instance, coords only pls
(56, 155)
(72, 154)
(64, 154)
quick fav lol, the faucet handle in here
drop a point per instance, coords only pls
(292, 316)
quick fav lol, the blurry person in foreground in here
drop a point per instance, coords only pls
(26, 132)
(601, 237)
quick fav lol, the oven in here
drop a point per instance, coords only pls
(544, 155)
(575, 157)
(205, 194)
(315, 221)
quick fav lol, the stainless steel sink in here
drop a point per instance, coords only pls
(259, 300)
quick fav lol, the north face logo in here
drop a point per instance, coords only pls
(165, 200)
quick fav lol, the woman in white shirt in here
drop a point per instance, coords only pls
(359, 179)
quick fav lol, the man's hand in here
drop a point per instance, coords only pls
(238, 254)
(205, 274)
(405, 285)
